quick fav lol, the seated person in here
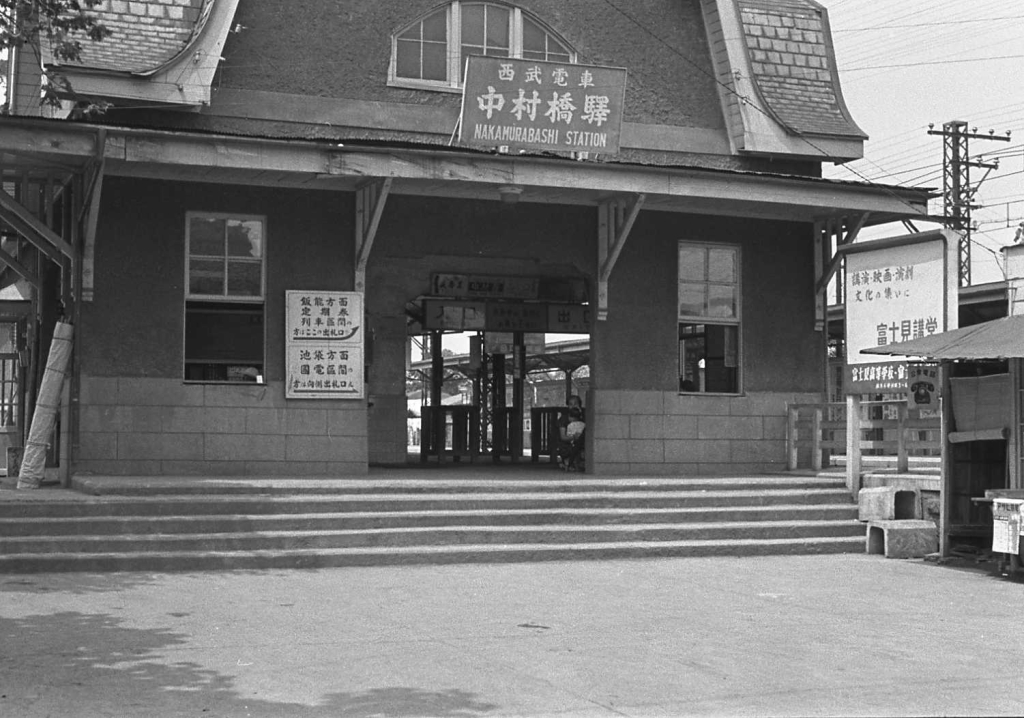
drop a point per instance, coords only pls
(572, 430)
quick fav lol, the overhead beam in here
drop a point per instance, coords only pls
(370, 200)
(842, 238)
(91, 206)
(27, 274)
(615, 222)
(28, 226)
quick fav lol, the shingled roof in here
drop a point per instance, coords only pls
(146, 34)
(789, 47)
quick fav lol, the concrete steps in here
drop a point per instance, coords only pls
(277, 524)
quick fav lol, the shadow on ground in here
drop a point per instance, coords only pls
(73, 663)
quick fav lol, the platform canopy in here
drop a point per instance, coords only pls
(997, 339)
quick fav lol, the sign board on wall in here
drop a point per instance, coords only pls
(324, 344)
(896, 290)
(457, 315)
(553, 106)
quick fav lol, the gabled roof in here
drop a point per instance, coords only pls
(145, 34)
(790, 49)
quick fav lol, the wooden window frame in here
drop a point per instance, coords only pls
(456, 63)
(735, 322)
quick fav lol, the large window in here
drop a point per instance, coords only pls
(224, 297)
(709, 318)
(432, 51)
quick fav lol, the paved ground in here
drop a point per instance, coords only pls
(845, 635)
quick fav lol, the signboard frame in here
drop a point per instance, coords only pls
(553, 110)
(931, 288)
(324, 345)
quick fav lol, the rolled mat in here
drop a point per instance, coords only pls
(33, 464)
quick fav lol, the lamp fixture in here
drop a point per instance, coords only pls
(510, 193)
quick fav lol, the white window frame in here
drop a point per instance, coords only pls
(225, 298)
(456, 62)
(734, 321)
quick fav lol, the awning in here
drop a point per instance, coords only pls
(997, 339)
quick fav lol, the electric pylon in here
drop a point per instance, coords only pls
(957, 193)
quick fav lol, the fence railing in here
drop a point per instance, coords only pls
(890, 427)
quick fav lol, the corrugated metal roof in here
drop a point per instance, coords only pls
(997, 339)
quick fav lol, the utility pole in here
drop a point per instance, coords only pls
(957, 193)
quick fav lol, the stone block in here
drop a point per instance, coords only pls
(911, 538)
(730, 427)
(611, 427)
(647, 427)
(642, 402)
(887, 503)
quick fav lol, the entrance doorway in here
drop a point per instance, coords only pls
(491, 396)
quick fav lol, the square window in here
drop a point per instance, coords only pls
(709, 318)
(224, 307)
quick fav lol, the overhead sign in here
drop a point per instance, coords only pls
(896, 290)
(471, 286)
(532, 105)
(324, 339)
(498, 316)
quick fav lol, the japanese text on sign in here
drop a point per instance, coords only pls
(542, 105)
(324, 345)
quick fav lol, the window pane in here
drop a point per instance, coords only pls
(435, 62)
(533, 38)
(206, 276)
(473, 25)
(721, 265)
(557, 50)
(223, 334)
(691, 263)
(708, 358)
(435, 27)
(497, 27)
(691, 300)
(497, 52)
(721, 301)
(206, 236)
(245, 239)
(414, 33)
(408, 61)
(245, 279)
(468, 50)
(558, 57)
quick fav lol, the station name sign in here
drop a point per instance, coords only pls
(546, 106)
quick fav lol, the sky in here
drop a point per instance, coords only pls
(904, 65)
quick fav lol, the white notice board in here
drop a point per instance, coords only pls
(324, 345)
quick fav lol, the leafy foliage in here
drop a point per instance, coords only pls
(58, 27)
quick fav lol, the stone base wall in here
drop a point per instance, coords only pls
(151, 427)
(659, 433)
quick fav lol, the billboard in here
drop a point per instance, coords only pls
(541, 106)
(896, 290)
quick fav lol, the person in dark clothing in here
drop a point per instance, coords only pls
(571, 434)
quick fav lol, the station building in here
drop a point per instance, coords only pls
(255, 158)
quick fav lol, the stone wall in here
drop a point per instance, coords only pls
(653, 432)
(163, 426)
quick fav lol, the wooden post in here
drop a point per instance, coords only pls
(816, 439)
(791, 450)
(853, 443)
(946, 460)
(902, 460)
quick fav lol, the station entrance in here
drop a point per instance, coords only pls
(484, 385)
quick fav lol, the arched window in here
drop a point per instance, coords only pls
(431, 52)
